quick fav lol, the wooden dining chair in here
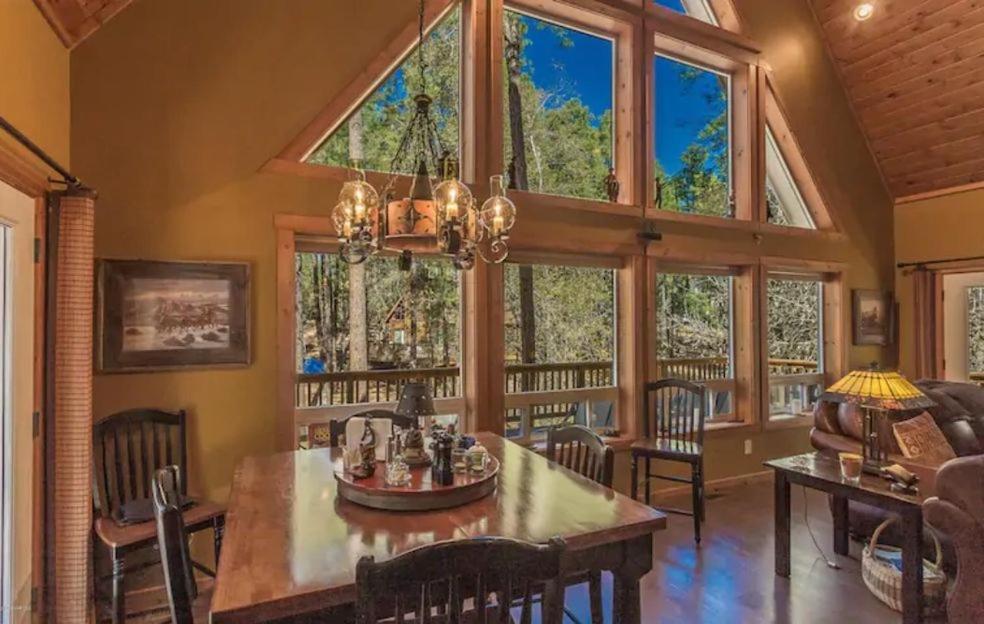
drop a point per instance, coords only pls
(673, 428)
(187, 605)
(440, 578)
(336, 428)
(582, 450)
(128, 448)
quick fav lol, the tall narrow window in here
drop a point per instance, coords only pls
(975, 333)
(795, 335)
(692, 138)
(559, 347)
(558, 102)
(371, 133)
(694, 338)
(698, 9)
(363, 331)
(784, 201)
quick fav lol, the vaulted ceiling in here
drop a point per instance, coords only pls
(914, 72)
(74, 20)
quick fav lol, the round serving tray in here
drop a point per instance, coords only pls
(421, 494)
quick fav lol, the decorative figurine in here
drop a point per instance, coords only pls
(659, 193)
(611, 185)
(413, 447)
(397, 470)
(367, 453)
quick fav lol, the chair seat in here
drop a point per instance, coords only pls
(197, 517)
(667, 449)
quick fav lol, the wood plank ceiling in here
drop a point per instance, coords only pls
(914, 72)
(74, 20)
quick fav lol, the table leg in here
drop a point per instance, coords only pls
(782, 524)
(841, 542)
(912, 569)
(637, 560)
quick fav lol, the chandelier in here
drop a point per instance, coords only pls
(438, 215)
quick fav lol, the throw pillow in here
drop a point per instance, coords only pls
(920, 438)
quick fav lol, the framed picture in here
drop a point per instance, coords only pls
(873, 317)
(171, 315)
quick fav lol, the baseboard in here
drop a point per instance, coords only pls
(715, 486)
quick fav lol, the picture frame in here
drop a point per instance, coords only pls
(872, 317)
(158, 315)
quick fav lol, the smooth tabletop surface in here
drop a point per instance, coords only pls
(824, 465)
(291, 544)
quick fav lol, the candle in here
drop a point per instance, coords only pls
(452, 210)
(360, 211)
(347, 228)
(497, 223)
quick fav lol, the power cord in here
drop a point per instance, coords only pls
(833, 565)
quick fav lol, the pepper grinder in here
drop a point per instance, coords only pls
(442, 472)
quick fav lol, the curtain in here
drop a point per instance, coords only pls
(928, 321)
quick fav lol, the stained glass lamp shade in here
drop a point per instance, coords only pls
(877, 389)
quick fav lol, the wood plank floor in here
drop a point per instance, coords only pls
(731, 577)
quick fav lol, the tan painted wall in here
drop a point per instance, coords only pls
(177, 104)
(34, 78)
(942, 227)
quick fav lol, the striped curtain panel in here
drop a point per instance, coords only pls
(928, 296)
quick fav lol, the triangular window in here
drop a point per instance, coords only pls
(783, 199)
(698, 9)
(371, 132)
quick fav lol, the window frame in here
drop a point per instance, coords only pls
(614, 393)
(834, 329)
(741, 67)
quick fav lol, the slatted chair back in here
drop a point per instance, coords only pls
(172, 540)
(675, 409)
(336, 428)
(442, 576)
(583, 451)
(128, 448)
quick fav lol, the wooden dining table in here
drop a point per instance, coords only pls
(291, 544)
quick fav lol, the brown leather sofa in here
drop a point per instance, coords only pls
(958, 511)
(959, 413)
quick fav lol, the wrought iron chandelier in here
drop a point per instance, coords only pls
(439, 214)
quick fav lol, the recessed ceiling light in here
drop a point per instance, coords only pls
(863, 11)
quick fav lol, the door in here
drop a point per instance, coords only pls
(16, 401)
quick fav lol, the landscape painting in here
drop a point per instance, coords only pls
(165, 315)
(872, 317)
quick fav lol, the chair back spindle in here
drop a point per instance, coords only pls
(582, 450)
(675, 409)
(128, 449)
(450, 577)
(172, 540)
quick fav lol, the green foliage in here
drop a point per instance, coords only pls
(693, 316)
(794, 319)
(574, 311)
(975, 329)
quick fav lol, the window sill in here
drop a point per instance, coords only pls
(790, 421)
(714, 429)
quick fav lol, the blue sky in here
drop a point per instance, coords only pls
(683, 108)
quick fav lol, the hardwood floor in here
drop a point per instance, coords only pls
(731, 577)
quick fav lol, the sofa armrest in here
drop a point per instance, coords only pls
(822, 440)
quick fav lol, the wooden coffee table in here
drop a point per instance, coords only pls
(821, 471)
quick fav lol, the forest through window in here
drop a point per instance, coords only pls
(975, 329)
(795, 344)
(557, 109)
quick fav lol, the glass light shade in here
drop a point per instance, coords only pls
(359, 201)
(454, 200)
(498, 213)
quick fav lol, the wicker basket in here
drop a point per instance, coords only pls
(885, 579)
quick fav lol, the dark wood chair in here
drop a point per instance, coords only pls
(187, 605)
(336, 428)
(673, 430)
(128, 448)
(583, 451)
(441, 577)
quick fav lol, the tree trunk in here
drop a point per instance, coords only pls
(519, 179)
(358, 330)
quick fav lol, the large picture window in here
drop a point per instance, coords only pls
(784, 202)
(694, 335)
(795, 344)
(558, 94)
(370, 135)
(364, 331)
(559, 347)
(692, 138)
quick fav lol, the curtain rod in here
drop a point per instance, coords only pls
(21, 138)
(903, 265)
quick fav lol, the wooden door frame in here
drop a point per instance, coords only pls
(19, 170)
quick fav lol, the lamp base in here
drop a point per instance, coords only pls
(872, 467)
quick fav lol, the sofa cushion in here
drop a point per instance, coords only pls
(920, 438)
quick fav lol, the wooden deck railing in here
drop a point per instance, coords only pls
(383, 386)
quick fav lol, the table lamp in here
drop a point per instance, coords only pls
(415, 400)
(876, 392)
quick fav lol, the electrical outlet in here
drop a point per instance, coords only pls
(748, 447)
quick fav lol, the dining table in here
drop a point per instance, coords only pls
(292, 544)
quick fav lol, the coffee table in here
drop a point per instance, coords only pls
(821, 471)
